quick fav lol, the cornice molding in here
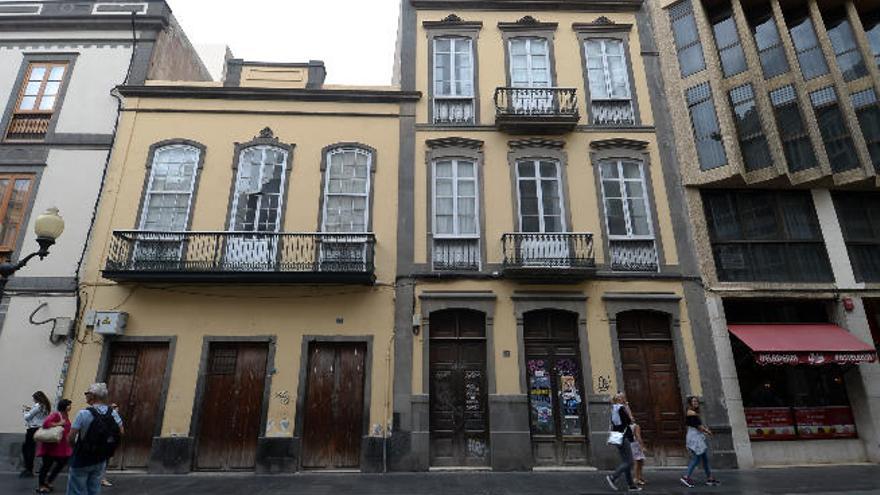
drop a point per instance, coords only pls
(452, 21)
(528, 23)
(237, 93)
(619, 143)
(454, 142)
(532, 143)
(531, 5)
(602, 24)
(81, 23)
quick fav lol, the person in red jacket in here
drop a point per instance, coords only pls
(55, 455)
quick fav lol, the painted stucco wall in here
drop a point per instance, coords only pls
(28, 361)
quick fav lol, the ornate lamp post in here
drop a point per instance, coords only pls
(48, 227)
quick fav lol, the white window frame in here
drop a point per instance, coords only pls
(453, 58)
(366, 194)
(148, 194)
(529, 40)
(618, 163)
(456, 227)
(535, 162)
(281, 190)
(606, 71)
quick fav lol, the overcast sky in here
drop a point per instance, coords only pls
(354, 38)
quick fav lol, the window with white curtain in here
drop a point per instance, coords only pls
(529, 63)
(167, 203)
(453, 80)
(170, 188)
(456, 214)
(609, 82)
(627, 215)
(540, 196)
(347, 190)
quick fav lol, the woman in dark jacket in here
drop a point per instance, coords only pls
(620, 422)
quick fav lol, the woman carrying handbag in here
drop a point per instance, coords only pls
(620, 437)
(54, 454)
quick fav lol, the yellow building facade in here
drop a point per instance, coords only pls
(458, 270)
(544, 271)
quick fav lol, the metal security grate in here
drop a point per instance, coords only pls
(223, 361)
(124, 362)
(783, 95)
(864, 98)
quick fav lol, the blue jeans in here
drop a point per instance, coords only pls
(626, 463)
(695, 459)
(85, 480)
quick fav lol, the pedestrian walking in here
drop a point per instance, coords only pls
(33, 417)
(115, 407)
(639, 451)
(95, 433)
(696, 444)
(55, 455)
(621, 419)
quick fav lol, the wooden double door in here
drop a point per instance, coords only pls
(231, 415)
(554, 380)
(334, 405)
(650, 380)
(459, 423)
(135, 380)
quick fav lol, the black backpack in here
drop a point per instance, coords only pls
(101, 438)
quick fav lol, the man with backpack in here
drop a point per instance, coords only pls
(95, 433)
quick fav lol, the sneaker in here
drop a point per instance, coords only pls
(635, 488)
(611, 483)
(712, 482)
(687, 482)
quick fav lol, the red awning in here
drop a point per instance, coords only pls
(803, 344)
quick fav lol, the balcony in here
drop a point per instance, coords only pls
(28, 126)
(612, 113)
(536, 110)
(242, 257)
(556, 257)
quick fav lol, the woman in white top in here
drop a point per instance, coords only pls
(33, 418)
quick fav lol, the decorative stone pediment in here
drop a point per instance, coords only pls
(602, 21)
(528, 20)
(531, 143)
(452, 18)
(619, 143)
(452, 21)
(454, 142)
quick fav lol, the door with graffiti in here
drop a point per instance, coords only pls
(459, 413)
(556, 391)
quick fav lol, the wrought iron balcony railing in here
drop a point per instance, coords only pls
(536, 255)
(456, 254)
(633, 255)
(241, 256)
(541, 110)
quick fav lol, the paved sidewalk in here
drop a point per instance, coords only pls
(838, 479)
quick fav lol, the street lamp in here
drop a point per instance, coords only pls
(48, 227)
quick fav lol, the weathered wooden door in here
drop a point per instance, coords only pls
(459, 425)
(135, 376)
(555, 387)
(333, 424)
(232, 406)
(651, 383)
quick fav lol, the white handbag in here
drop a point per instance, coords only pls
(52, 434)
(615, 438)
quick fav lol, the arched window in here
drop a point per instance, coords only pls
(168, 199)
(347, 190)
(259, 189)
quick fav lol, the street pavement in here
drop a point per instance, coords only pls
(859, 479)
